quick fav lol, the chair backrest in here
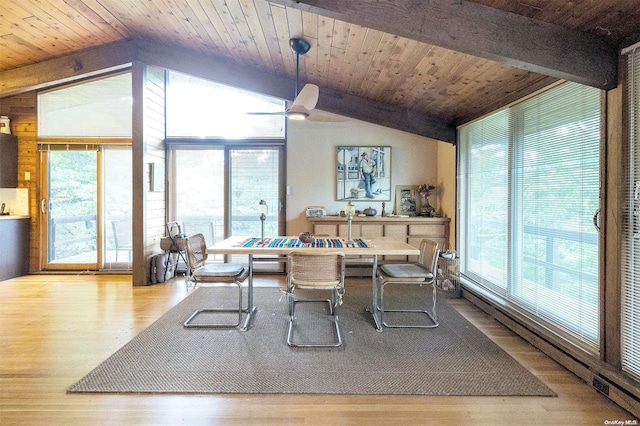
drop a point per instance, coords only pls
(196, 250)
(122, 234)
(204, 227)
(429, 253)
(174, 229)
(316, 269)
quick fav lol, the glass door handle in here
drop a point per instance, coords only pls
(596, 220)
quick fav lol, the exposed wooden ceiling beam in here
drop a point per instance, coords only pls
(119, 55)
(67, 68)
(483, 32)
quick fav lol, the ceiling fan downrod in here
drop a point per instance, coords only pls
(299, 47)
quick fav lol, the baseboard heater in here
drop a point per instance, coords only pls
(606, 382)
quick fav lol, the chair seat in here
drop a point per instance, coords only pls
(219, 271)
(406, 270)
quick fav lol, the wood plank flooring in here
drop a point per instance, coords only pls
(54, 329)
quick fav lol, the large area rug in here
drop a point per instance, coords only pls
(453, 359)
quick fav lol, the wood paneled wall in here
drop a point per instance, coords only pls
(149, 207)
(21, 110)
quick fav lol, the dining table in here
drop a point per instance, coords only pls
(357, 250)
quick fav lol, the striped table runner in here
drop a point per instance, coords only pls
(295, 243)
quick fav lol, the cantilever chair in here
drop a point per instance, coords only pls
(315, 271)
(217, 274)
(421, 273)
(122, 236)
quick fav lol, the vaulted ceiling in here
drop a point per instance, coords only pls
(421, 66)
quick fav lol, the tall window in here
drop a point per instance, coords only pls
(223, 160)
(84, 134)
(529, 180)
(631, 227)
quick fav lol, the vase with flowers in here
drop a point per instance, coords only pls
(425, 190)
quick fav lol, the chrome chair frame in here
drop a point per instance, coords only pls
(315, 271)
(215, 274)
(422, 272)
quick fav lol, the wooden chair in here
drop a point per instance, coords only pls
(217, 274)
(313, 272)
(420, 273)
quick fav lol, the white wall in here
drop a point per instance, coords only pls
(311, 164)
(446, 186)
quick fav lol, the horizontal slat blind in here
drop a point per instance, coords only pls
(486, 144)
(529, 188)
(631, 229)
(556, 194)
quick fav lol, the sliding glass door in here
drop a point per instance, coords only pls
(116, 226)
(71, 209)
(87, 208)
(216, 190)
(529, 190)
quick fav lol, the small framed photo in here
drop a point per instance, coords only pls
(407, 200)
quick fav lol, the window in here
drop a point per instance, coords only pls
(86, 191)
(631, 227)
(205, 109)
(98, 108)
(217, 182)
(529, 188)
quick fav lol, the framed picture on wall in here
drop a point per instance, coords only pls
(407, 200)
(363, 173)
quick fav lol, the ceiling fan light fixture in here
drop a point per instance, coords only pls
(297, 115)
(297, 112)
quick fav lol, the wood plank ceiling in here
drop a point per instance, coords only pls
(435, 65)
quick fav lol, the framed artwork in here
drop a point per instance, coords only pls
(363, 173)
(407, 200)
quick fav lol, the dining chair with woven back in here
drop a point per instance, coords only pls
(311, 272)
(212, 274)
(420, 273)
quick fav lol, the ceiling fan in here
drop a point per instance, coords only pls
(305, 100)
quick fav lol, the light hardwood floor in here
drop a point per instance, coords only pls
(54, 329)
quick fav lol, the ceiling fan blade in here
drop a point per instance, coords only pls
(307, 98)
(265, 113)
(322, 117)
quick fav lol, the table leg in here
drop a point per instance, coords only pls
(374, 292)
(251, 309)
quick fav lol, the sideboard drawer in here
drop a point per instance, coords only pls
(428, 230)
(328, 229)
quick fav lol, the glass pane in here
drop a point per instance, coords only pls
(557, 193)
(486, 204)
(199, 192)
(202, 108)
(630, 253)
(72, 234)
(117, 189)
(254, 177)
(96, 108)
(529, 190)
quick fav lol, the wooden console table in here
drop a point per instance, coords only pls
(407, 229)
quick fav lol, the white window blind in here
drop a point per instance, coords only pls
(555, 196)
(486, 202)
(529, 190)
(631, 228)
